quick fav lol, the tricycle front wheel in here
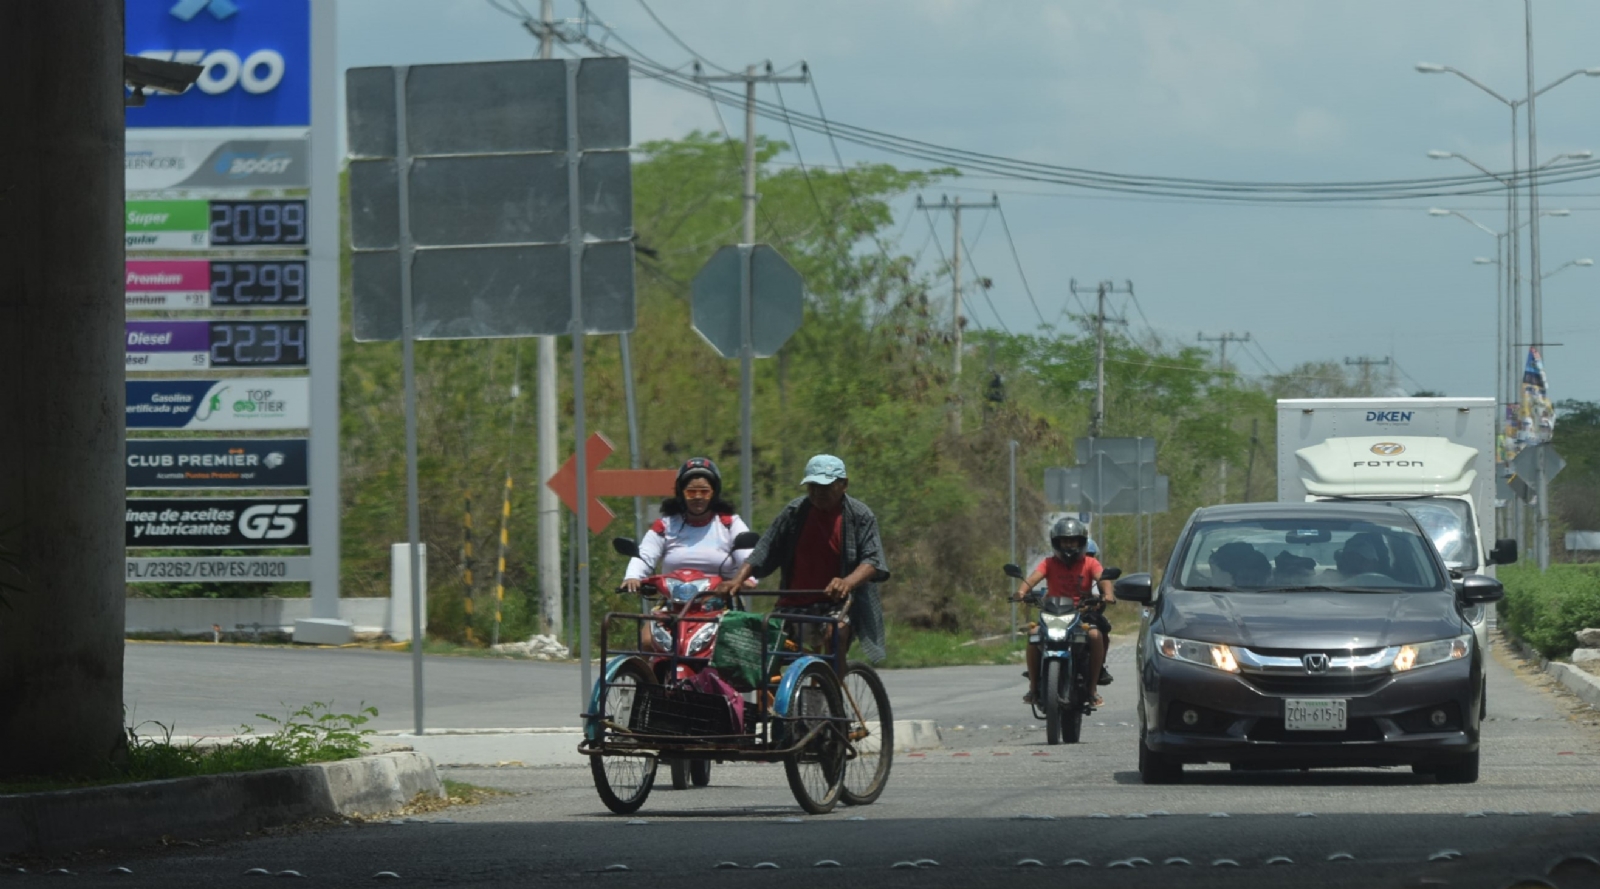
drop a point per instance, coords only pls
(623, 780)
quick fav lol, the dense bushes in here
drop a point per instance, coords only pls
(1548, 609)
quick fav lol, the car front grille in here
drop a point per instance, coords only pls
(1273, 730)
(1316, 685)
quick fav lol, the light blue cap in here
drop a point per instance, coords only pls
(823, 469)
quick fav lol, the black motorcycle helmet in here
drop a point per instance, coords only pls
(693, 468)
(1069, 538)
(699, 467)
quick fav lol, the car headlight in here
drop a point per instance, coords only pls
(702, 638)
(1475, 614)
(663, 639)
(1426, 654)
(1056, 633)
(1206, 654)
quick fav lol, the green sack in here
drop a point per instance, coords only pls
(738, 653)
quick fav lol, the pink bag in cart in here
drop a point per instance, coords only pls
(708, 681)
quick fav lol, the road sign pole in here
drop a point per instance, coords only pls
(633, 429)
(746, 387)
(1013, 449)
(575, 274)
(409, 371)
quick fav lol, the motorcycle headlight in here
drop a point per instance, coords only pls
(702, 638)
(1426, 654)
(663, 639)
(1055, 632)
(1206, 654)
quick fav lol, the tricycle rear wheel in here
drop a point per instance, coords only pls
(816, 771)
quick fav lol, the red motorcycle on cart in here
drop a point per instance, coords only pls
(691, 608)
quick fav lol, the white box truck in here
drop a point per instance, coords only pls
(1433, 457)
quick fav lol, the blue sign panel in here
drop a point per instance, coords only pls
(256, 53)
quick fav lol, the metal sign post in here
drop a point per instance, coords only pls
(746, 387)
(495, 199)
(409, 373)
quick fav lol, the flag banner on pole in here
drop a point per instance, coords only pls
(1536, 416)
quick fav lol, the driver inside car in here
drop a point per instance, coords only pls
(1360, 555)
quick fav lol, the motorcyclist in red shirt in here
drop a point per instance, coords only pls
(1073, 573)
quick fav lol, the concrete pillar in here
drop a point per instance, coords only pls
(61, 385)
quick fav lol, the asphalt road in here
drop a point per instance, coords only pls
(994, 799)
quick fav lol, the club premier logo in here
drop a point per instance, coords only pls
(1388, 448)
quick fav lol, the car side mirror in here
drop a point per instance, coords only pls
(1133, 588)
(1504, 552)
(625, 547)
(1111, 574)
(1013, 571)
(1478, 589)
(746, 540)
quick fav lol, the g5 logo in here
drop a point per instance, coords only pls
(269, 521)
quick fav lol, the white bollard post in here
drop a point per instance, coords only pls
(399, 628)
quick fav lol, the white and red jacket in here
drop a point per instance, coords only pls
(675, 542)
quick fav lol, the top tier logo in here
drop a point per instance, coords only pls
(256, 55)
(1388, 448)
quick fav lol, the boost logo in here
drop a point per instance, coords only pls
(1388, 448)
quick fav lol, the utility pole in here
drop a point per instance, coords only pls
(1227, 382)
(1366, 365)
(546, 382)
(955, 207)
(752, 75)
(1101, 290)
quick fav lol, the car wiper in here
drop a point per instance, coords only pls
(1211, 589)
(1315, 588)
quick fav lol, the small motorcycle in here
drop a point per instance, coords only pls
(685, 638)
(1063, 639)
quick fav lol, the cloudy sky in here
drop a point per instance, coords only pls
(1281, 90)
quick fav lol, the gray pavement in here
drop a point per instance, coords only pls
(993, 796)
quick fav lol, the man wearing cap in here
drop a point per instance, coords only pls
(826, 541)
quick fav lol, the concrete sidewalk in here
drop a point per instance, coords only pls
(210, 807)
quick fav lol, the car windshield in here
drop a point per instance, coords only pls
(1449, 525)
(1311, 553)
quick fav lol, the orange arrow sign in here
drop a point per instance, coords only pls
(607, 483)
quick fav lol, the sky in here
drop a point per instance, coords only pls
(1259, 90)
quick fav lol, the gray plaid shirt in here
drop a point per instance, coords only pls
(860, 544)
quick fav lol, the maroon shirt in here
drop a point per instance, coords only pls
(816, 555)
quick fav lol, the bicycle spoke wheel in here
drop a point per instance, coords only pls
(623, 781)
(871, 733)
(816, 771)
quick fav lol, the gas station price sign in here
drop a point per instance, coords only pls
(214, 284)
(199, 345)
(204, 225)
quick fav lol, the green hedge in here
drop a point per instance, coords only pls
(1548, 609)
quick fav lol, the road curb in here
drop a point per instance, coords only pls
(545, 747)
(211, 807)
(1574, 679)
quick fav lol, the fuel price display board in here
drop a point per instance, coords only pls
(187, 225)
(215, 284)
(223, 344)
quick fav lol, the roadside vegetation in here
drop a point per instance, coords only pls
(1547, 610)
(868, 377)
(309, 734)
